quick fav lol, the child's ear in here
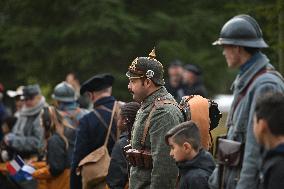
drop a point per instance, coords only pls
(264, 128)
(187, 147)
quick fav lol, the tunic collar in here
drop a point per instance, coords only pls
(242, 81)
(152, 97)
(249, 63)
(104, 100)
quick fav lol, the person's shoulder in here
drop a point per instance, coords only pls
(87, 121)
(166, 102)
(195, 179)
(82, 112)
(276, 162)
(196, 175)
(123, 141)
(119, 145)
(88, 116)
(55, 140)
(275, 172)
(169, 106)
(270, 76)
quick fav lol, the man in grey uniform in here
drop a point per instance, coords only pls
(241, 39)
(157, 115)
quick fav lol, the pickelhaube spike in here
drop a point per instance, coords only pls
(152, 54)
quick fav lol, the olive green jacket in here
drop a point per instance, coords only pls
(164, 172)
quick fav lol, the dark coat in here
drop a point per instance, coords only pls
(72, 114)
(272, 172)
(118, 170)
(57, 156)
(90, 135)
(194, 173)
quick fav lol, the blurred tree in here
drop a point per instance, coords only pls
(41, 41)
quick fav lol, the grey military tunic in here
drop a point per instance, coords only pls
(240, 123)
(164, 172)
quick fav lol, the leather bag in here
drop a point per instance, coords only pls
(229, 152)
(94, 167)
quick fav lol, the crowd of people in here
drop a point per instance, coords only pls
(185, 80)
(152, 142)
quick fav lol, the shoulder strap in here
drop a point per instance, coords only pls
(110, 124)
(158, 102)
(244, 91)
(100, 118)
(105, 124)
(104, 108)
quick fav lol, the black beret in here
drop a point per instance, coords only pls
(97, 83)
(193, 68)
(31, 91)
(175, 63)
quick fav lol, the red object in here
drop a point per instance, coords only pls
(1, 88)
(15, 165)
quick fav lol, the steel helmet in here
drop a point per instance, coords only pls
(241, 30)
(64, 92)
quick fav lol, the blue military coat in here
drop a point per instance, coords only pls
(90, 135)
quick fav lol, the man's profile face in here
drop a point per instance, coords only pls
(175, 71)
(189, 77)
(232, 55)
(138, 90)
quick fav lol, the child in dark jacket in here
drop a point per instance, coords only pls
(269, 132)
(117, 177)
(195, 164)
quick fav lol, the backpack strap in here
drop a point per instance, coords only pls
(158, 102)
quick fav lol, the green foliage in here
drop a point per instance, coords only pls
(41, 41)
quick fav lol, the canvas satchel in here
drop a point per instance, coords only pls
(94, 167)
